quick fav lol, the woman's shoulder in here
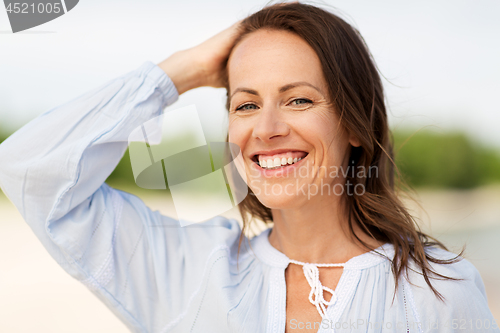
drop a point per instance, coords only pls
(451, 275)
(458, 266)
(460, 285)
(448, 273)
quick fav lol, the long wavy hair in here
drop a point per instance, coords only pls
(356, 90)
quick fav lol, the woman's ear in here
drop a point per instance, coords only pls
(354, 141)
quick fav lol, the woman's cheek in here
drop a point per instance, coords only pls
(231, 129)
(238, 132)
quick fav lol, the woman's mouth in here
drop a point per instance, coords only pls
(278, 161)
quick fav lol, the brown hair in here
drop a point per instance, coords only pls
(356, 90)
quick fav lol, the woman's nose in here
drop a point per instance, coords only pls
(270, 124)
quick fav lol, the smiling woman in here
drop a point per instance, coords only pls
(306, 109)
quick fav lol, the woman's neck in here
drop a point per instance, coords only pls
(317, 233)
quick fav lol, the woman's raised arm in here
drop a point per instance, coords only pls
(139, 263)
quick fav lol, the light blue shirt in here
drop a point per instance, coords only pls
(159, 277)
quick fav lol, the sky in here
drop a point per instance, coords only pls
(439, 59)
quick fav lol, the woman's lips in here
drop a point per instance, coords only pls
(280, 171)
(268, 161)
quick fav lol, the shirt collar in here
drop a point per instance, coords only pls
(271, 256)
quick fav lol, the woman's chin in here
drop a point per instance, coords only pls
(281, 201)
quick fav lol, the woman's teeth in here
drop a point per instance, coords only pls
(277, 162)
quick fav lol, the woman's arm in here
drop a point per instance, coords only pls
(53, 170)
(60, 159)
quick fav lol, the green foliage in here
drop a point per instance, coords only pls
(3, 136)
(449, 160)
(122, 178)
(123, 171)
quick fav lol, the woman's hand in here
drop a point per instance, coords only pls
(202, 65)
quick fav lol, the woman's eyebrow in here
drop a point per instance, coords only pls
(247, 90)
(280, 90)
(298, 84)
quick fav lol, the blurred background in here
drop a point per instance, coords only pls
(440, 66)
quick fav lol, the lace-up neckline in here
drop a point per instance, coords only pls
(311, 272)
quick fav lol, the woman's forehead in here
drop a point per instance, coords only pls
(274, 56)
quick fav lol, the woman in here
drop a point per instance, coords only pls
(306, 108)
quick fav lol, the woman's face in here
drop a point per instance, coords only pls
(280, 113)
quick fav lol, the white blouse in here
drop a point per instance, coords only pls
(157, 276)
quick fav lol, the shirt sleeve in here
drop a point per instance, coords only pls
(141, 264)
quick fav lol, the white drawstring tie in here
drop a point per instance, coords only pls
(316, 298)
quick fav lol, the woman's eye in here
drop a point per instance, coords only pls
(301, 101)
(246, 107)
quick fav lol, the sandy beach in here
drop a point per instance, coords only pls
(36, 295)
